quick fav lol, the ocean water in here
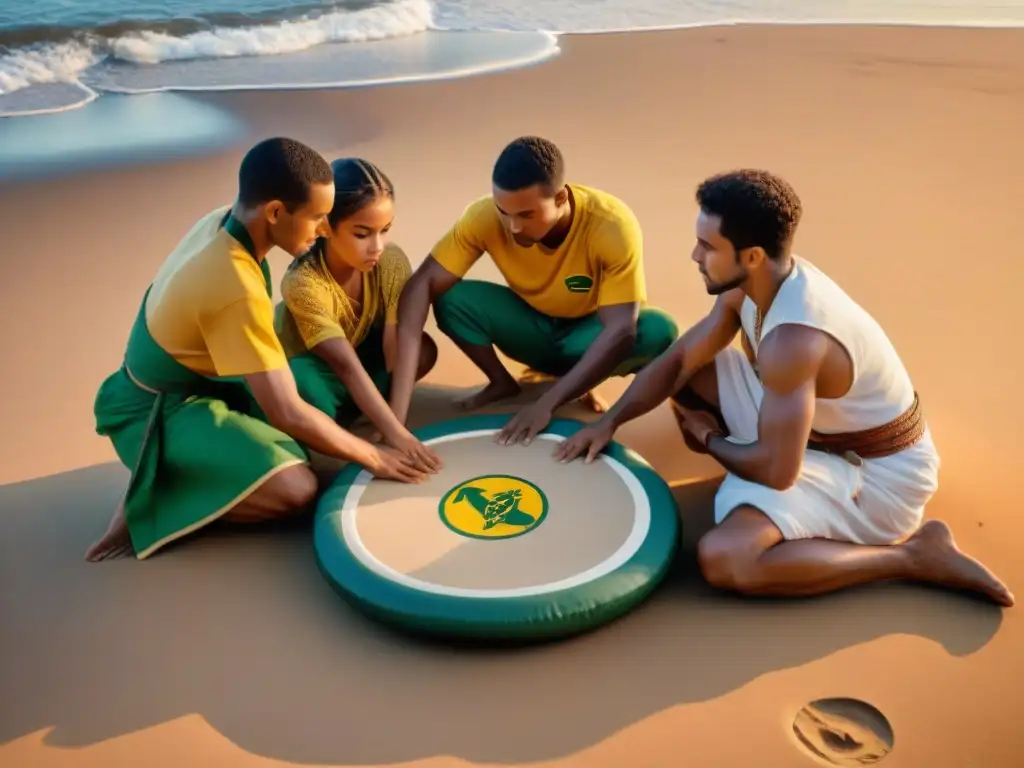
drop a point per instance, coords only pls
(57, 55)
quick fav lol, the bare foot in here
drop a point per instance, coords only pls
(492, 393)
(115, 542)
(594, 402)
(935, 558)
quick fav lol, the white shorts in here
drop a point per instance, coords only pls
(880, 502)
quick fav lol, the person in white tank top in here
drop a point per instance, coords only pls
(829, 460)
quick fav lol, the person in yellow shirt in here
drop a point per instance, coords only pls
(575, 305)
(337, 320)
(204, 409)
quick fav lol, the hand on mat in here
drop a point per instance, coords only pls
(392, 465)
(590, 440)
(525, 425)
(422, 457)
(697, 426)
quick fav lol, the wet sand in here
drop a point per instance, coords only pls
(231, 650)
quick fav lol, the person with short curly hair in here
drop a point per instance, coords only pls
(575, 305)
(828, 456)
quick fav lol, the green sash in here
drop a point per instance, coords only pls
(196, 444)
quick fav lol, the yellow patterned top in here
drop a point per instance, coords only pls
(315, 308)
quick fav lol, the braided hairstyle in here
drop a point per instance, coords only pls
(357, 183)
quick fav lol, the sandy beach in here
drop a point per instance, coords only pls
(905, 145)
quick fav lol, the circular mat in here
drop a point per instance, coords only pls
(504, 543)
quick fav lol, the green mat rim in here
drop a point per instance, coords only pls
(555, 614)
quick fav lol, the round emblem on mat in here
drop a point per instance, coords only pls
(451, 556)
(494, 507)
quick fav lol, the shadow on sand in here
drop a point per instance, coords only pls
(240, 628)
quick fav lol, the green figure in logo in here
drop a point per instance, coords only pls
(502, 508)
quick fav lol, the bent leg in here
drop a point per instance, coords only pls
(288, 494)
(700, 393)
(746, 553)
(479, 316)
(656, 331)
(284, 495)
(428, 356)
(199, 459)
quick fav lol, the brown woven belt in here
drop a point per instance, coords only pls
(885, 440)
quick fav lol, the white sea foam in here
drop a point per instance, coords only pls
(406, 17)
(64, 62)
(60, 76)
(55, 63)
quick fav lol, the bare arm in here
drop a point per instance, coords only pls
(667, 374)
(277, 395)
(609, 348)
(429, 281)
(390, 346)
(789, 359)
(341, 356)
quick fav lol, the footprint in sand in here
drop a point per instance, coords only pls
(843, 732)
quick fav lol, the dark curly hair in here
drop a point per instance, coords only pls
(527, 161)
(280, 169)
(756, 208)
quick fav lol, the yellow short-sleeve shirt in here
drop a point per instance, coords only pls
(599, 263)
(209, 306)
(314, 308)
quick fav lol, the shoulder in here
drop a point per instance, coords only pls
(603, 206)
(481, 211)
(394, 258)
(234, 275)
(302, 275)
(791, 355)
(612, 222)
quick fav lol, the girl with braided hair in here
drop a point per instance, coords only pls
(337, 321)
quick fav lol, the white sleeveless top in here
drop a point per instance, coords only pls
(881, 388)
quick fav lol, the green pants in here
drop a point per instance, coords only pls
(320, 386)
(481, 313)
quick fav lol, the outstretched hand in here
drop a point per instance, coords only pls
(390, 464)
(589, 441)
(422, 457)
(525, 425)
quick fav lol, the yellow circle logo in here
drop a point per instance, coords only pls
(493, 507)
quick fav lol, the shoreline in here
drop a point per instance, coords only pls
(903, 144)
(533, 54)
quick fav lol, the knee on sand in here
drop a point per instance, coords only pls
(287, 494)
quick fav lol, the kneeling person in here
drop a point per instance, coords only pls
(204, 410)
(575, 306)
(829, 460)
(337, 320)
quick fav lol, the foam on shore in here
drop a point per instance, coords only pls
(387, 42)
(431, 55)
